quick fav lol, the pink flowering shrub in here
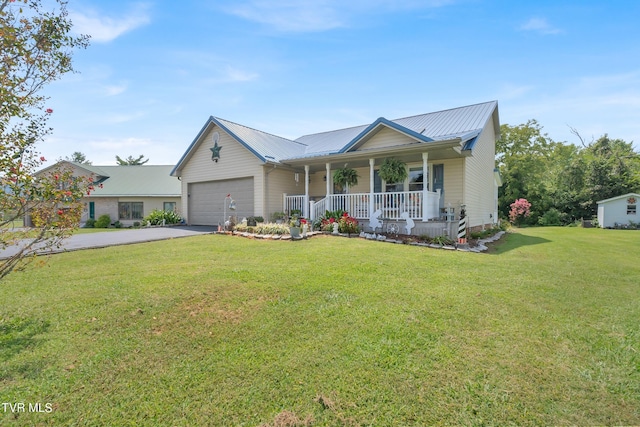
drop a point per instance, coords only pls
(520, 209)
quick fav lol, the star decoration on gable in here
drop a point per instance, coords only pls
(215, 150)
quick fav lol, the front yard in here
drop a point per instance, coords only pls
(217, 330)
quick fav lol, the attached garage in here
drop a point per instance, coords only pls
(207, 200)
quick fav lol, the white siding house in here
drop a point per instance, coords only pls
(619, 210)
(449, 155)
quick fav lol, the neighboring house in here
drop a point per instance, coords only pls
(620, 210)
(127, 193)
(449, 155)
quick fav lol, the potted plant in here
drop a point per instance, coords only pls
(295, 224)
(278, 217)
(251, 221)
(345, 178)
(393, 170)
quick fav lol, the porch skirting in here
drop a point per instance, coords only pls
(422, 228)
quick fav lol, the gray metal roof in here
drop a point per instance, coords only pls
(265, 145)
(463, 122)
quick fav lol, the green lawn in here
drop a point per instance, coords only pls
(219, 330)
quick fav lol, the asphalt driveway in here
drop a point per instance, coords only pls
(121, 237)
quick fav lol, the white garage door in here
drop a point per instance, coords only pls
(207, 200)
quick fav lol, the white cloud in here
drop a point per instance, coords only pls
(236, 75)
(113, 90)
(319, 15)
(539, 25)
(103, 29)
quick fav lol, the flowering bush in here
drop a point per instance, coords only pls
(520, 209)
(348, 224)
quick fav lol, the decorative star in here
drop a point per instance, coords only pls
(215, 150)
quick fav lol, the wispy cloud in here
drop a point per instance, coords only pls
(539, 25)
(319, 15)
(236, 75)
(104, 29)
(113, 90)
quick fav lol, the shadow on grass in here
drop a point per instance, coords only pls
(18, 335)
(511, 241)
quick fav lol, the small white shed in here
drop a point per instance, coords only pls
(618, 210)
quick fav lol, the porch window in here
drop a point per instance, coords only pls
(130, 210)
(416, 179)
(631, 209)
(169, 206)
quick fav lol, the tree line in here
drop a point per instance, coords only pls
(563, 182)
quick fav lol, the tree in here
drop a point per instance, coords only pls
(35, 49)
(78, 157)
(130, 161)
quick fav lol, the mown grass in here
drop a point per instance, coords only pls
(219, 330)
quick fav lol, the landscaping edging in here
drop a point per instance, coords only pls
(481, 245)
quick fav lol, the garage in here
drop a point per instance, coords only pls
(207, 200)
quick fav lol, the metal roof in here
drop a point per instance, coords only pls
(465, 123)
(265, 145)
(135, 181)
(462, 122)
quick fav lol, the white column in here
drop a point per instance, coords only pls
(329, 181)
(305, 210)
(372, 163)
(425, 186)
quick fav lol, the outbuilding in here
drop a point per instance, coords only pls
(619, 211)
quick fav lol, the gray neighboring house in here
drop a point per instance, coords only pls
(619, 210)
(126, 193)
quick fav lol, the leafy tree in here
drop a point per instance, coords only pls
(35, 49)
(131, 161)
(78, 157)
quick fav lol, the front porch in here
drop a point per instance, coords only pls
(422, 208)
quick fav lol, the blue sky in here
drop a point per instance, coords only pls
(156, 70)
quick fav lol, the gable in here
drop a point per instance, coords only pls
(385, 137)
(235, 159)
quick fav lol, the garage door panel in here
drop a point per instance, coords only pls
(207, 200)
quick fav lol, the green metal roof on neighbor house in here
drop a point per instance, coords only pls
(463, 124)
(130, 181)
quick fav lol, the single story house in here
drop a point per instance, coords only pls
(449, 157)
(620, 210)
(126, 193)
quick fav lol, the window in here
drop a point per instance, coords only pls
(416, 179)
(130, 210)
(169, 206)
(631, 209)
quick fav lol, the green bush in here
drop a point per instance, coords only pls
(551, 217)
(157, 216)
(104, 221)
(91, 223)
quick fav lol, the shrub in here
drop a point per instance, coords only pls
(347, 224)
(156, 217)
(91, 223)
(136, 224)
(104, 221)
(551, 217)
(117, 224)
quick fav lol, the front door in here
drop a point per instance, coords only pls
(92, 210)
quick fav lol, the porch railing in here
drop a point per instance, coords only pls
(391, 205)
(295, 203)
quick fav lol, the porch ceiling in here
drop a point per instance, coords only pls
(408, 153)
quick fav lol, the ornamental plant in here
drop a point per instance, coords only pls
(348, 224)
(156, 217)
(520, 209)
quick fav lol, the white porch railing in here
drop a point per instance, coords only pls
(392, 205)
(295, 203)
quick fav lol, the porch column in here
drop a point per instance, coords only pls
(372, 163)
(425, 185)
(305, 209)
(329, 179)
(329, 204)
